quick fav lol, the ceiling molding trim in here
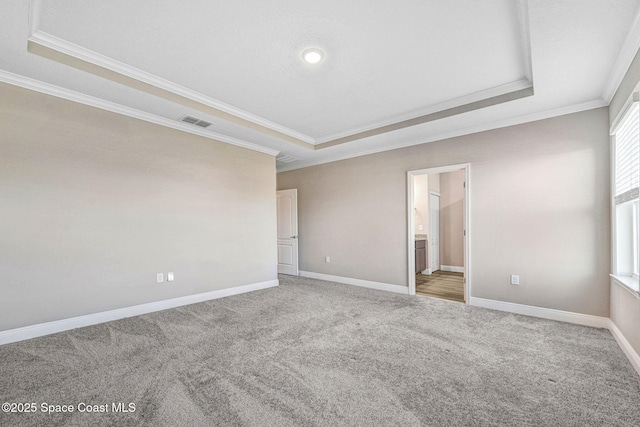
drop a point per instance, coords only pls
(526, 39)
(433, 109)
(570, 109)
(525, 83)
(481, 102)
(628, 52)
(34, 16)
(60, 92)
(167, 88)
(62, 46)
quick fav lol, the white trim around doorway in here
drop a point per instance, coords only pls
(411, 225)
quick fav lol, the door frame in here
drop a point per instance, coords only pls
(411, 258)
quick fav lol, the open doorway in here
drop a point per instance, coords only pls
(437, 232)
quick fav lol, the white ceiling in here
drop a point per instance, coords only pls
(394, 64)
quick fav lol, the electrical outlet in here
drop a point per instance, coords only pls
(515, 279)
(327, 259)
(160, 277)
(170, 277)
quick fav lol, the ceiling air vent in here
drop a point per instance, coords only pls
(283, 158)
(195, 121)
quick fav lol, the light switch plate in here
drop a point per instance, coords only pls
(170, 277)
(160, 277)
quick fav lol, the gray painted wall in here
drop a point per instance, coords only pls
(539, 208)
(94, 204)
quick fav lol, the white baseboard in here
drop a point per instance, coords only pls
(565, 316)
(33, 331)
(544, 313)
(452, 268)
(357, 282)
(626, 347)
(427, 271)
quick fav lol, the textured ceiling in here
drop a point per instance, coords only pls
(394, 74)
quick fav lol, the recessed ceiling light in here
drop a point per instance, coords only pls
(312, 56)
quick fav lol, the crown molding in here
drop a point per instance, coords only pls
(34, 15)
(450, 104)
(57, 44)
(625, 58)
(60, 92)
(64, 47)
(476, 97)
(526, 39)
(547, 114)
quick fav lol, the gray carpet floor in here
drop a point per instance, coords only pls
(314, 353)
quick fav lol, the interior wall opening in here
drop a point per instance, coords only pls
(437, 232)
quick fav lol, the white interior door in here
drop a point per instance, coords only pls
(287, 205)
(434, 230)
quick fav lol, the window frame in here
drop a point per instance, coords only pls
(636, 237)
(630, 282)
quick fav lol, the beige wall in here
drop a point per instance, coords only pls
(423, 186)
(452, 219)
(421, 203)
(625, 307)
(539, 201)
(94, 204)
(434, 183)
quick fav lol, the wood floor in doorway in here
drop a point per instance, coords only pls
(441, 284)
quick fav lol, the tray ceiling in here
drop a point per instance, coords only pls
(393, 74)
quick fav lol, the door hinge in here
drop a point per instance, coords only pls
(464, 184)
(464, 232)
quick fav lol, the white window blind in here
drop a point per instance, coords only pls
(627, 152)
